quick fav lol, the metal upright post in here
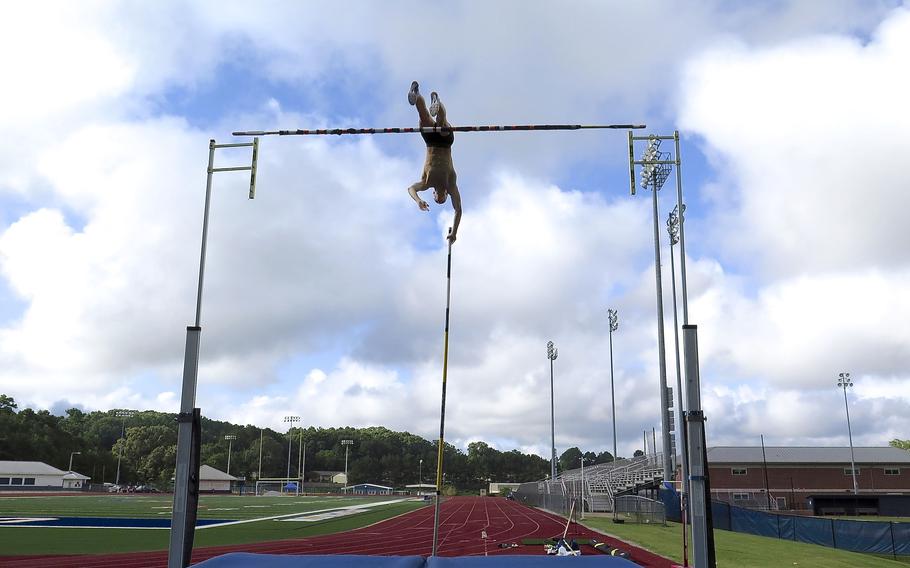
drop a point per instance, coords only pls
(844, 382)
(346, 444)
(183, 517)
(655, 171)
(230, 438)
(123, 414)
(673, 225)
(259, 476)
(661, 348)
(582, 486)
(613, 318)
(290, 420)
(700, 488)
(552, 354)
(682, 232)
(300, 462)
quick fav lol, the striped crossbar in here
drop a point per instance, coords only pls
(431, 129)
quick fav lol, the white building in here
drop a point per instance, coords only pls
(368, 489)
(213, 480)
(18, 475)
(73, 480)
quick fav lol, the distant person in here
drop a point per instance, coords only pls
(438, 169)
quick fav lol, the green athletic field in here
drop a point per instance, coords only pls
(743, 550)
(53, 540)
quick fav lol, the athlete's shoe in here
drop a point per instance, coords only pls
(434, 104)
(412, 94)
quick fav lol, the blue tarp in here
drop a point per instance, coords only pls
(815, 531)
(863, 536)
(249, 560)
(753, 522)
(878, 537)
(668, 495)
(720, 515)
(901, 533)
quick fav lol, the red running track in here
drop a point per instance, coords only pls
(461, 520)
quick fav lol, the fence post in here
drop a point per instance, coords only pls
(893, 548)
(833, 534)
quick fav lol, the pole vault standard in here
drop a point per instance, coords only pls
(442, 412)
(186, 479)
(431, 129)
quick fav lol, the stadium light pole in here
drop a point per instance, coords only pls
(654, 172)
(301, 448)
(673, 223)
(843, 382)
(123, 415)
(552, 353)
(346, 444)
(71, 459)
(420, 476)
(230, 438)
(582, 487)
(189, 420)
(290, 420)
(613, 317)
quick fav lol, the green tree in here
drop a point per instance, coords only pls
(7, 403)
(902, 444)
(570, 459)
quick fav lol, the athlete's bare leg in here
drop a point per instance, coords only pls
(421, 104)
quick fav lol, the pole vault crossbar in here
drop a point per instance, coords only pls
(440, 129)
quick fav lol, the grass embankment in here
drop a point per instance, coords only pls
(32, 540)
(742, 550)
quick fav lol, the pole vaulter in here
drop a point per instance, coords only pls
(439, 174)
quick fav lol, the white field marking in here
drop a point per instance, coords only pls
(257, 506)
(167, 507)
(323, 516)
(362, 506)
(16, 520)
(224, 509)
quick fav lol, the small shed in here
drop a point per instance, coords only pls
(213, 480)
(368, 489)
(421, 488)
(73, 480)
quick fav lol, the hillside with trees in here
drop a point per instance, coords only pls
(148, 449)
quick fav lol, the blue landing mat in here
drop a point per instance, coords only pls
(249, 560)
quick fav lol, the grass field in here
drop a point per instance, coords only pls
(52, 540)
(742, 550)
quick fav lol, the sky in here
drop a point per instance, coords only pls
(325, 296)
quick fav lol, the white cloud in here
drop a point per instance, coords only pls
(807, 139)
(332, 260)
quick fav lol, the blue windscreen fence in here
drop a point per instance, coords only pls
(876, 537)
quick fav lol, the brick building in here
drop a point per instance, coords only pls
(812, 478)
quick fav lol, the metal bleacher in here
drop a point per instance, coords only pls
(604, 482)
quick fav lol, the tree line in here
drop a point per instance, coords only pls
(144, 442)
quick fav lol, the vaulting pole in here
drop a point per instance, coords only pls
(431, 129)
(442, 412)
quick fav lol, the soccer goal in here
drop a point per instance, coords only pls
(278, 486)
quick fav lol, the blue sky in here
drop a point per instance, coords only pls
(324, 296)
